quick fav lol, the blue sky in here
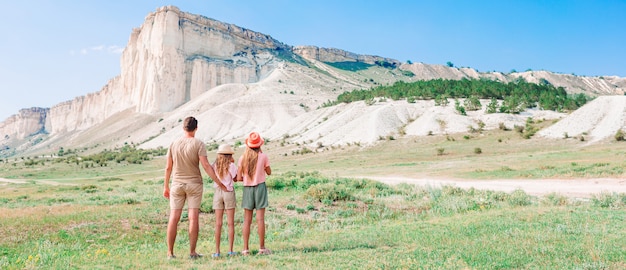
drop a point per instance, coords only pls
(52, 51)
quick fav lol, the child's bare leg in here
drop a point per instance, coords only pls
(230, 215)
(247, 220)
(219, 214)
(260, 221)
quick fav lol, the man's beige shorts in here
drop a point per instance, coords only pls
(224, 199)
(180, 192)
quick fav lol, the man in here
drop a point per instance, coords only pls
(183, 158)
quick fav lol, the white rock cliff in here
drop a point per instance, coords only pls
(173, 61)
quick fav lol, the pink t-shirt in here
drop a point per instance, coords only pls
(259, 176)
(227, 179)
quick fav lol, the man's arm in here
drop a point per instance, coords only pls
(168, 173)
(209, 170)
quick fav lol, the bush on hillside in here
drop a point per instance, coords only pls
(620, 135)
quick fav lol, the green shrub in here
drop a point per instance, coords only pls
(620, 135)
(89, 188)
(502, 126)
(609, 200)
(275, 183)
(498, 196)
(130, 201)
(452, 191)
(555, 199)
(298, 181)
(343, 213)
(519, 198)
(447, 205)
(460, 109)
(349, 65)
(330, 191)
(109, 179)
(477, 150)
(291, 207)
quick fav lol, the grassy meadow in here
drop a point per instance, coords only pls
(323, 213)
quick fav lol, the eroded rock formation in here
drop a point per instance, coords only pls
(175, 59)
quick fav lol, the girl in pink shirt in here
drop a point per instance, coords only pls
(226, 171)
(253, 167)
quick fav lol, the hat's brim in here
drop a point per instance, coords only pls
(257, 145)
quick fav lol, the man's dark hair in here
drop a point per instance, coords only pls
(190, 124)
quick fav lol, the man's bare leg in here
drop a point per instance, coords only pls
(172, 227)
(194, 228)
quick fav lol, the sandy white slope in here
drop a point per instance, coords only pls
(228, 112)
(597, 120)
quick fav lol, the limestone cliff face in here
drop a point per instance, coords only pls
(172, 58)
(85, 111)
(27, 122)
(176, 56)
(337, 55)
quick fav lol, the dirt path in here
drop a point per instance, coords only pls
(574, 188)
(55, 181)
(47, 182)
(12, 181)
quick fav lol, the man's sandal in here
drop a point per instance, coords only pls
(195, 256)
(245, 252)
(265, 251)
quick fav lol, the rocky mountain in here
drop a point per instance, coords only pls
(236, 80)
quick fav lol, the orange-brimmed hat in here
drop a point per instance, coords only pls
(254, 140)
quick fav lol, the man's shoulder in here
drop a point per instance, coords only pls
(183, 140)
(196, 141)
(187, 143)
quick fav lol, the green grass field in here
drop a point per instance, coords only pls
(321, 217)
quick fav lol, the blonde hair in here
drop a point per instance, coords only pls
(222, 162)
(249, 160)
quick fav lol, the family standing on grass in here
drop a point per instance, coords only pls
(184, 157)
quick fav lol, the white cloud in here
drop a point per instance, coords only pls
(115, 49)
(111, 49)
(97, 48)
